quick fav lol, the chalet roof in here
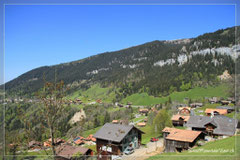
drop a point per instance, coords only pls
(91, 138)
(181, 108)
(141, 124)
(211, 122)
(177, 116)
(225, 125)
(220, 111)
(67, 151)
(196, 103)
(181, 135)
(114, 132)
(114, 121)
(143, 110)
(33, 142)
(225, 107)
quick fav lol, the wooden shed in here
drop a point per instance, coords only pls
(179, 139)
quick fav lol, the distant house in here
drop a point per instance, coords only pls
(184, 110)
(210, 111)
(34, 145)
(228, 108)
(145, 119)
(224, 102)
(179, 139)
(179, 120)
(115, 121)
(91, 138)
(114, 139)
(67, 152)
(143, 111)
(195, 105)
(120, 105)
(214, 126)
(231, 99)
(213, 100)
(141, 124)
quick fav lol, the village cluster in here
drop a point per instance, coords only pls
(118, 138)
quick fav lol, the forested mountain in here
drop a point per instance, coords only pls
(158, 67)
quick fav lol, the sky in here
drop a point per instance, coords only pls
(40, 35)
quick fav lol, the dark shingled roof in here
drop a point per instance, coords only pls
(114, 132)
(225, 125)
(225, 107)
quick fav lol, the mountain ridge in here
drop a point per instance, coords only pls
(139, 65)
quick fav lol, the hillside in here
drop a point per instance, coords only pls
(157, 68)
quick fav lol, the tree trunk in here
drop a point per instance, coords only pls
(53, 143)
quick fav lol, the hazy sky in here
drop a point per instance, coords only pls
(38, 35)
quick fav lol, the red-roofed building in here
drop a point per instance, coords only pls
(179, 139)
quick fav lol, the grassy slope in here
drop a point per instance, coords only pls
(201, 153)
(194, 94)
(91, 131)
(107, 95)
(148, 134)
(94, 93)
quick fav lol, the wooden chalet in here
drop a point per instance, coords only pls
(34, 145)
(232, 100)
(79, 140)
(213, 100)
(114, 139)
(115, 121)
(91, 138)
(218, 125)
(228, 108)
(184, 110)
(68, 152)
(224, 102)
(195, 105)
(211, 111)
(179, 139)
(143, 111)
(179, 120)
(141, 124)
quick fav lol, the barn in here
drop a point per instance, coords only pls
(179, 139)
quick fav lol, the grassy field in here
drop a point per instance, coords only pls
(225, 149)
(149, 133)
(91, 131)
(94, 93)
(194, 94)
(108, 94)
(139, 118)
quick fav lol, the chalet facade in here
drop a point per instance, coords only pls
(213, 126)
(184, 110)
(213, 100)
(114, 139)
(179, 139)
(179, 120)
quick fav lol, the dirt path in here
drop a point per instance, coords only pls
(151, 149)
